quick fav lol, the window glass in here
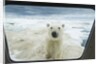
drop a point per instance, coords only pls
(47, 33)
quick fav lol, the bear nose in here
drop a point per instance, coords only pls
(54, 34)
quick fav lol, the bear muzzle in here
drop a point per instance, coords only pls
(54, 34)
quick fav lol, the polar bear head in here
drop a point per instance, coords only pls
(55, 31)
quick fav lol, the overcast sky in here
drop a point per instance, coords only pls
(75, 13)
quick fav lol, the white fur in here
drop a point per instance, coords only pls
(54, 44)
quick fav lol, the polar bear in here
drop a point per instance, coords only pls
(60, 45)
(54, 40)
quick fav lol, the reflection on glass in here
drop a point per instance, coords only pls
(47, 33)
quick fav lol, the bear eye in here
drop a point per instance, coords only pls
(21, 40)
(51, 27)
(48, 25)
(63, 25)
(59, 28)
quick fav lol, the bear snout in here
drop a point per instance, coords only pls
(54, 34)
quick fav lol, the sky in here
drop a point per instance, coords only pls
(75, 13)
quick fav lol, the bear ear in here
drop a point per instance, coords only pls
(48, 25)
(63, 25)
